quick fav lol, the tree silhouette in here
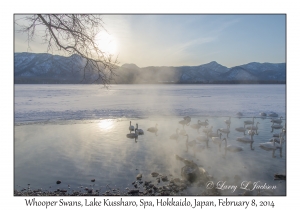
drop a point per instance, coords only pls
(73, 34)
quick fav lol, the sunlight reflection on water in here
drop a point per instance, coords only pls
(106, 124)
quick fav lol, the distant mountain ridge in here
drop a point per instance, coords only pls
(46, 68)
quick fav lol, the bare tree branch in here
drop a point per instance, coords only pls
(74, 34)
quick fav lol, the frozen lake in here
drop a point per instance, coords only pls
(76, 102)
(76, 133)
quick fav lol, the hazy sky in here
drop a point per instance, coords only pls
(177, 40)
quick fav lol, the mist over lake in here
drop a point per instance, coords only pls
(77, 133)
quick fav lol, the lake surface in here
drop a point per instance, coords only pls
(76, 133)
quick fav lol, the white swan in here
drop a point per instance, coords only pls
(175, 136)
(268, 145)
(131, 127)
(272, 145)
(277, 121)
(228, 122)
(263, 114)
(212, 134)
(273, 114)
(249, 122)
(186, 121)
(239, 114)
(278, 141)
(225, 130)
(276, 126)
(246, 139)
(153, 129)
(231, 148)
(132, 135)
(205, 123)
(253, 127)
(196, 126)
(139, 131)
(241, 129)
(217, 140)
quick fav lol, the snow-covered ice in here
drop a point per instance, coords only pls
(68, 102)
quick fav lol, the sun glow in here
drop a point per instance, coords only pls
(106, 43)
(106, 124)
